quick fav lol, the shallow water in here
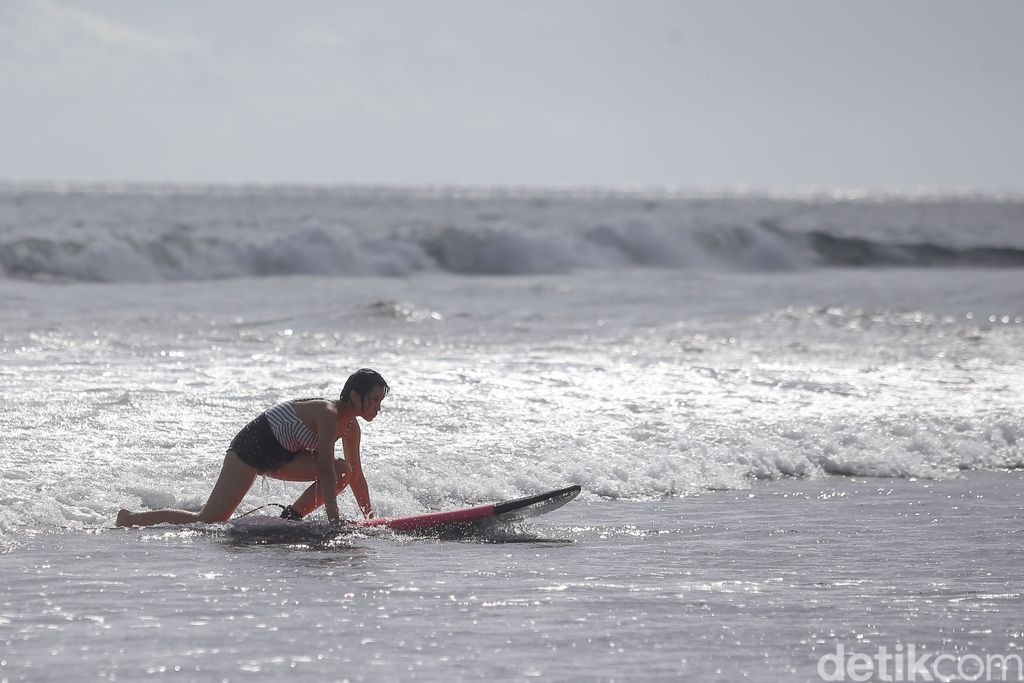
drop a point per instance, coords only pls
(754, 585)
(635, 386)
(779, 456)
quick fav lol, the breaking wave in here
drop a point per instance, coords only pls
(489, 250)
(138, 234)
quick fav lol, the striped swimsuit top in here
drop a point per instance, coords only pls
(289, 430)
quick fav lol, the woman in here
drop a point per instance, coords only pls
(293, 441)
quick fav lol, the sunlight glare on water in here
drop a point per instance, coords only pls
(779, 453)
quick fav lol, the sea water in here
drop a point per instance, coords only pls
(797, 421)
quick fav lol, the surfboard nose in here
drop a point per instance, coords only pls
(559, 496)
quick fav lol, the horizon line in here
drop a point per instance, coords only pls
(481, 189)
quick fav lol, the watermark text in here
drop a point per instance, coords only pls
(909, 663)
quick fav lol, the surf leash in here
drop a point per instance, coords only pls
(287, 512)
(246, 514)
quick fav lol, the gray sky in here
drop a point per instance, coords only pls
(718, 93)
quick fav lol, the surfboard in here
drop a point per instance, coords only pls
(262, 526)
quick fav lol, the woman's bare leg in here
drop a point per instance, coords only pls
(151, 517)
(303, 468)
(234, 482)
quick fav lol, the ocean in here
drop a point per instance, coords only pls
(797, 421)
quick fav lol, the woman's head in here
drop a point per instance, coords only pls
(364, 389)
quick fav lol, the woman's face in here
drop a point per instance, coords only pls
(371, 404)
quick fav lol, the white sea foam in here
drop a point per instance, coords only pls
(638, 386)
(835, 413)
(729, 356)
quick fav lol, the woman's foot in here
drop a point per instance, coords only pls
(124, 518)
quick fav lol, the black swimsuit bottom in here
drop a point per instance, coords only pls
(257, 446)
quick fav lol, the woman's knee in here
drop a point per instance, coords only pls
(341, 468)
(213, 518)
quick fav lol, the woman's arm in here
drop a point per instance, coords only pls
(350, 444)
(326, 424)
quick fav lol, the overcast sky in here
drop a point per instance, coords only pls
(767, 94)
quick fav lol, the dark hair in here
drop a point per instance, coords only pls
(362, 382)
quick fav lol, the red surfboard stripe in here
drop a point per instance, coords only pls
(430, 518)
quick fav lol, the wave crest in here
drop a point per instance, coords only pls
(319, 249)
